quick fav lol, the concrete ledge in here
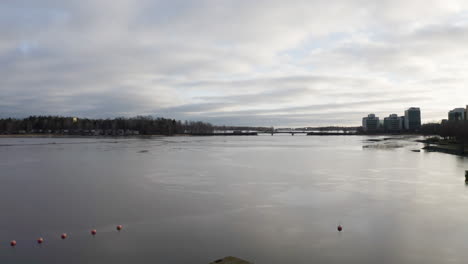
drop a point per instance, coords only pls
(230, 260)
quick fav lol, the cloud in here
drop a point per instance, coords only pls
(233, 62)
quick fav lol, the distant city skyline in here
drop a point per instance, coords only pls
(259, 63)
(458, 113)
(409, 121)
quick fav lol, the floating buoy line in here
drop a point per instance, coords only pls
(93, 232)
(63, 236)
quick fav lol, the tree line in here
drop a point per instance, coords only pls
(145, 125)
(453, 129)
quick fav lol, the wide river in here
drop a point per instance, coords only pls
(267, 199)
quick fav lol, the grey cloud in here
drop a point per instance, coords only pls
(206, 59)
(334, 111)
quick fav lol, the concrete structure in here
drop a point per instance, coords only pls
(393, 123)
(457, 114)
(413, 119)
(370, 123)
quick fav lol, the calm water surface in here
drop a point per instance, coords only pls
(268, 199)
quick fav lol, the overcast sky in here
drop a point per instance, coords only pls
(234, 62)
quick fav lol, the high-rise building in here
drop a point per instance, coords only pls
(413, 118)
(457, 114)
(370, 123)
(393, 123)
(466, 113)
(403, 123)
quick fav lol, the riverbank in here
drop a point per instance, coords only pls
(435, 144)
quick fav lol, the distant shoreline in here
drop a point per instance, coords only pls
(82, 136)
(445, 146)
(120, 136)
(31, 135)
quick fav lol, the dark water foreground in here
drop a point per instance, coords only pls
(265, 199)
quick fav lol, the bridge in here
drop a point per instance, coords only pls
(321, 131)
(273, 132)
(292, 132)
(310, 133)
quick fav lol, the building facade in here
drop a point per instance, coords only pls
(370, 123)
(457, 114)
(413, 119)
(393, 123)
(403, 123)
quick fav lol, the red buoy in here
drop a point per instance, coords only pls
(40, 240)
(13, 243)
(93, 232)
(340, 228)
(119, 227)
(63, 236)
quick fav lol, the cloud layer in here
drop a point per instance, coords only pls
(289, 63)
